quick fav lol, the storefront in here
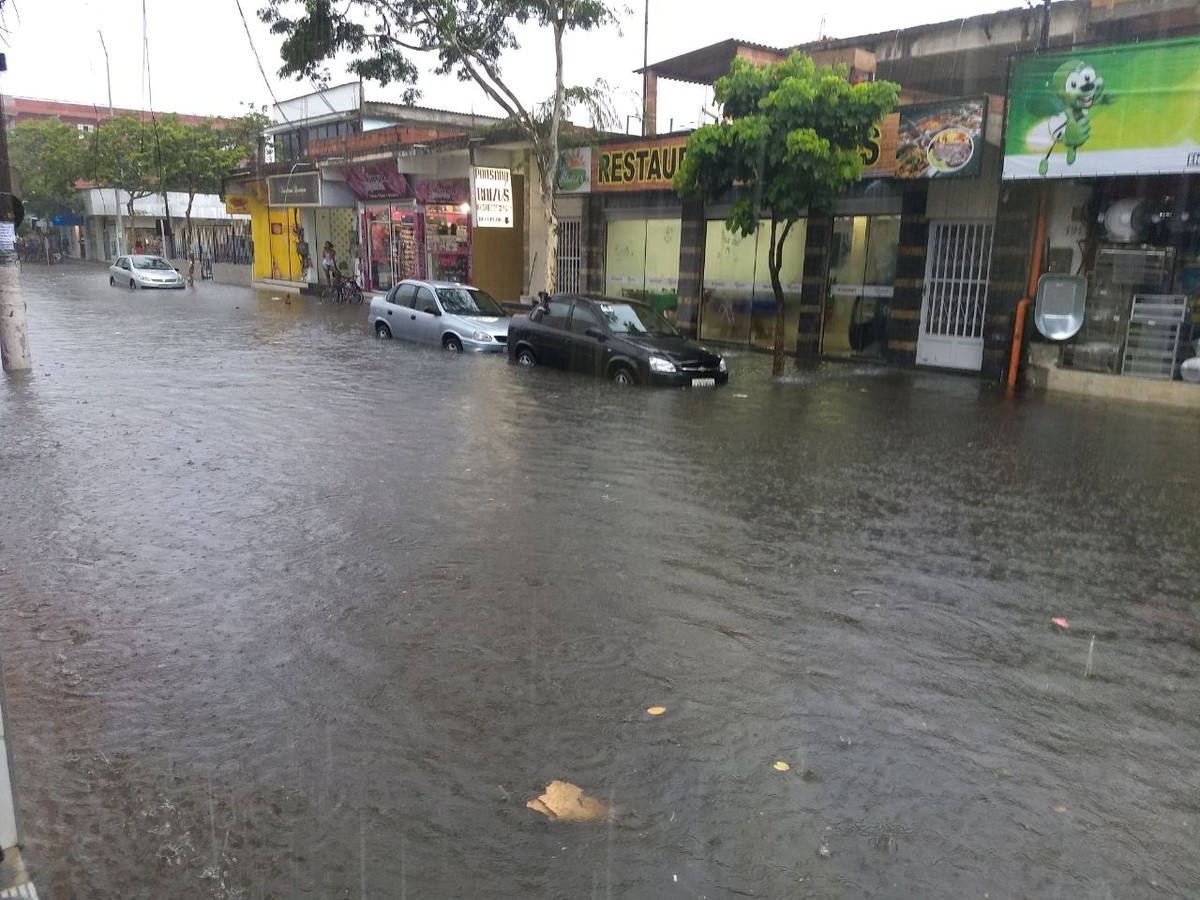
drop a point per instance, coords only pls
(447, 209)
(1119, 177)
(415, 230)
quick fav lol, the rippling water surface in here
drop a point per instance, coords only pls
(290, 612)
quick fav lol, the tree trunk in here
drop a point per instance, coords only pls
(188, 228)
(775, 265)
(547, 266)
(545, 154)
(129, 233)
(167, 252)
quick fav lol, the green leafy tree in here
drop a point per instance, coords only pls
(123, 155)
(49, 157)
(195, 157)
(790, 142)
(469, 38)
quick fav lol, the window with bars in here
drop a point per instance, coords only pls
(956, 278)
(570, 256)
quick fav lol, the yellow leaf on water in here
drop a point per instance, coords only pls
(780, 766)
(566, 802)
(656, 710)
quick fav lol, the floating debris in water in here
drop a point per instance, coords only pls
(566, 802)
(780, 766)
(656, 710)
(1061, 622)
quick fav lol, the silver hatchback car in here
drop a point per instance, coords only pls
(456, 317)
(141, 271)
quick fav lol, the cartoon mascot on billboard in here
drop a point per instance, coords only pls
(1070, 96)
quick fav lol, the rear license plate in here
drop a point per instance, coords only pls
(704, 382)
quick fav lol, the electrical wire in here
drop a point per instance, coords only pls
(262, 71)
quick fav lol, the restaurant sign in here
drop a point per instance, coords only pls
(298, 189)
(648, 165)
(1127, 109)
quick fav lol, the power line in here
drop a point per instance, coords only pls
(262, 71)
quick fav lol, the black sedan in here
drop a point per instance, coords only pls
(623, 340)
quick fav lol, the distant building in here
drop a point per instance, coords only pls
(217, 233)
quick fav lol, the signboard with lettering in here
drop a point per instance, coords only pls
(381, 181)
(297, 189)
(879, 155)
(646, 165)
(574, 171)
(1128, 109)
(491, 197)
(443, 192)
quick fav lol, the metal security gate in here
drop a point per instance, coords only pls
(569, 255)
(956, 281)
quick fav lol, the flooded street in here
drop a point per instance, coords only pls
(292, 612)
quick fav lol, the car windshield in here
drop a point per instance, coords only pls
(468, 302)
(150, 262)
(628, 318)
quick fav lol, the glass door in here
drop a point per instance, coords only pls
(448, 242)
(862, 272)
(392, 246)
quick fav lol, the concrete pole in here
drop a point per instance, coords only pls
(14, 334)
(116, 192)
(647, 126)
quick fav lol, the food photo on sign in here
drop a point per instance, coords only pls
(938, 139)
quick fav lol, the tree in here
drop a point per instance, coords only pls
(123, 156)
(790, 142)
(469, 38)
(49, 156)
(195, 157)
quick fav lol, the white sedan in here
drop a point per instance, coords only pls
(144, 272)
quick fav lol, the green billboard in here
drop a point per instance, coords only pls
(1129, 109)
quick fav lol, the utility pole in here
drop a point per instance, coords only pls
(116, 191)
(14, 334)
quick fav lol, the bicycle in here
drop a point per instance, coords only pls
(343, 290)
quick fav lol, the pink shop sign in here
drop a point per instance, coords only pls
(455, 191)
(377, 182)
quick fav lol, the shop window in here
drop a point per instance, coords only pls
(738, 304)
(862, 271)
(448, 243)
(642, 262)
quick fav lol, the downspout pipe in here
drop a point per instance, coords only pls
(1035, 271)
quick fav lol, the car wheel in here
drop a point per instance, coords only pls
(525, 357)
(451, 344)
(382, 331)
(112, 282)
(132, 285)
(623, 375)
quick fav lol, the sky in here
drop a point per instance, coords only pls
(198, 58)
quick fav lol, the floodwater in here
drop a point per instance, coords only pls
(291, 612)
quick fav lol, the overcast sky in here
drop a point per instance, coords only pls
(197, 57)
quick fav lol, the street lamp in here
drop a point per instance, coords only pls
(116, 192)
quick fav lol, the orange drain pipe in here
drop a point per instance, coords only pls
(1035, 271)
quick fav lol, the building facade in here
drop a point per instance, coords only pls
(926, 261)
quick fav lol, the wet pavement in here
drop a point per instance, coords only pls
(291, 612)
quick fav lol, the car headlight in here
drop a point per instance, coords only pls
(721, 365)
(482, 336)
(662, 364)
